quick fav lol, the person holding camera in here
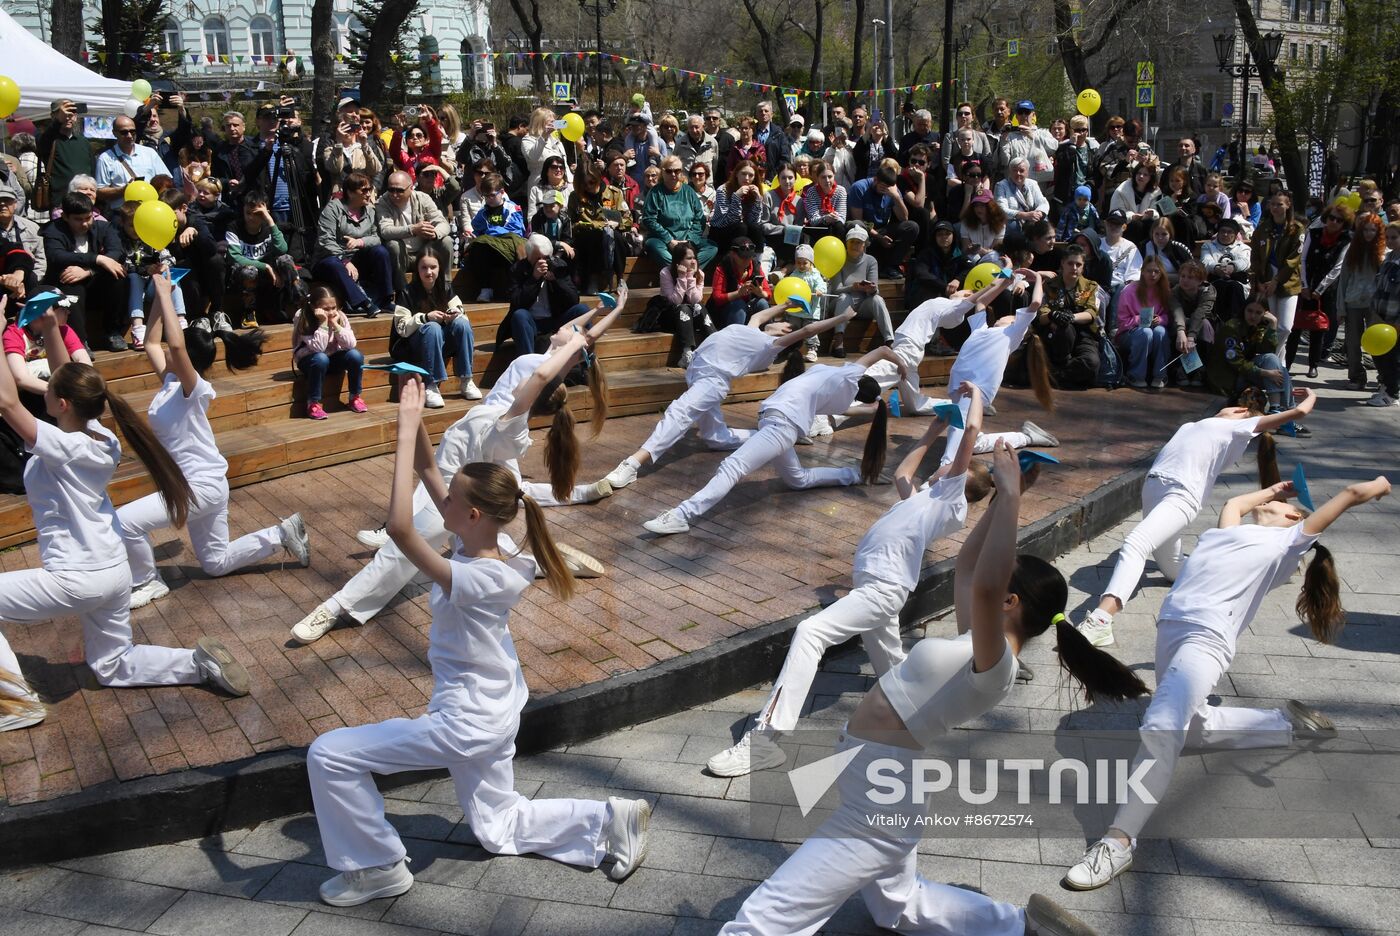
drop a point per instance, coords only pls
(543, 298)
(350, 254)
(63, 152)
(349, 149)
(282, 168)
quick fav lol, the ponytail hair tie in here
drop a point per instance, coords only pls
(1058, 618)
(520, 494)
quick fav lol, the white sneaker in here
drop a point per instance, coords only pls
(598, 490)
(221, 322)
(668, 523)
(1103, 862)
(1381, 398)
(1097, 628)
(810, 356)
(218, 667)
(821, 426)
(432, 398)
(352, 888)
(686, 357)
(314, 626)
(625, 835)
(374, 539)
(1157, 383)
(581, 564)
(154, 590)
(470, 391)
(755, 751)
(624, 474)
(1038, 436)
(1044, 917)
(1308, 722)
(296, 540)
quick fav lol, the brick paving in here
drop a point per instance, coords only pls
(765, 553)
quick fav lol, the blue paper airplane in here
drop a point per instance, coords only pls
(608, 300)
(177, 274)
(398, 367)
(895, 410)
(801, 303)
(1300, 487)
(1029, 458)
(950, 414)
(37, 306)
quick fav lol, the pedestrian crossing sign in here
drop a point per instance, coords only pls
(563, 91)
(1013, 48)
(791, 101)
(1146, 94)
(1146, 73)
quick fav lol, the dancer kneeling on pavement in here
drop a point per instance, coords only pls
(478, 692)
(1003, 600)
(722, 358)
(496, 430)
(1202, 619)
(886, 570)
(179, 417)
(1176, 486)
(85, 573)
(784, 418)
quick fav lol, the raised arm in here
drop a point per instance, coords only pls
(11, 409)
(550, 368)
(814, 328)
(165, 320)
(406, 458)
(1307, 399)
(996, 558)
(1353, 495)
(904, 480)
(971, 430)
(1236, 507)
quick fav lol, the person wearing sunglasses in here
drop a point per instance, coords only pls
(411, 224)
(967, 119)
(125, 161)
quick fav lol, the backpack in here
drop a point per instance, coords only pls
(1110, 365)
(654, 316)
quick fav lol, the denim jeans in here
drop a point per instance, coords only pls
(1279, 397)
(737, 311)
(432, 345)
(317, 366)
(376, 271)
(1142, 345)
(140, 289)
(522, 326)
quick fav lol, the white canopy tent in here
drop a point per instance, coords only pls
(45, 76)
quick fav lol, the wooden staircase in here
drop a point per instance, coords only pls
(259, 415)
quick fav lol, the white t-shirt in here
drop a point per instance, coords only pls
(476, 673)
(934, 689)
(1230, 571)
(919, 326)
(482, 436)
(892, 550)
(732, 352)
(66, 484)
(822, 390)
(1199, 451)
(182, 425)
(982, 358)
(503, 391)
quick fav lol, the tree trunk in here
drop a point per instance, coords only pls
(66, 35)
(1271, 77)
(770, 53)
(533, 28)
(112, 11)
(322, 60)
(815, 73)
(857, 51)
(375, 80)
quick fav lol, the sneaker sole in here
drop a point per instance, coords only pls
(374, 542)
(643, 824)
(1066, 882)
(1050, 919)
(580, 563)
(392, 890)
(149, 598)
(772, 760)
(235, 675)
(1311, 722)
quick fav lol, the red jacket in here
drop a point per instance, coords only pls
(721, 290)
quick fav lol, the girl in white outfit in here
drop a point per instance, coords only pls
(1198, 629)
(1002, 601)
(722, 358)
(496, 430)
(783, 419)
(179, 416)
(84, 571)
(478, 690)
(886, 569)
(1172, 494)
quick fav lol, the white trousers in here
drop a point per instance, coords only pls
(1283, 308)
(773, 441)
(870, 610)
(699, 406)
(208, 528)
(1167, 510)
(350, 810)
(911, 399)
(101, 601)
(544, 493)
(1190, 661)
(849, 853)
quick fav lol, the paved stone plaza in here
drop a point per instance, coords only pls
(704, 859)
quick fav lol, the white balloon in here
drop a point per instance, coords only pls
(131, 107)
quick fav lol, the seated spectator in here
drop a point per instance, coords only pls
(1039, 238)
(1215, 193)
(973, 181)
(872, 149)
(1066, 330)
(1194, 309)
(1074, 163)
(349, 253)
(1145, 312)
(142, 263)
(86, 260)
(324, 343)
(696, 146)
(1025, 140)
(498, 241)
(603, 230)
(739, 288)
(641, 145)
(1176, 185)
(1078, 216)
(983, 227)
(683, 292)
(551, 221)
(261, 269)
(1019, 196)
(857, 287)
(877, 202)
(551, 180)
(938, 270)
(618, 178)
(23, 263)
(483, 146)
(916, 190)
(28, 362)
(543, 298)
(667, 129)
(651, 178)
(1137, 198)
(210, 209)
(672, 214)
(699, 177)
(1243, 207)
(82, 185)
(739, 207)
(431, 328)
(978, 143)
(195, 249)
(824, 203)
(1245, 355)
(1097, 266)
(410, 225)
(1162, 244)
(1124, 259)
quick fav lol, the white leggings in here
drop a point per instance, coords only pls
(1190, 662)
(699, 406)
(1167, 510)
(100, 598)
(350, 812)
(911, 400)
(208, 528)
(773, 441)
(870, 610)
(849, 853)
(1283, 308)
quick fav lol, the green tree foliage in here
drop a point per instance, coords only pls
(126, 27)
(384, 53)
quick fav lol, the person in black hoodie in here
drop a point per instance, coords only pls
(86, 260)
(938, 269)
(1097, 266)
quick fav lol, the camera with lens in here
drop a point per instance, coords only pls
(285, 113)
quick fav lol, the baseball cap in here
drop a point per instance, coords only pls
(1116, 216)
(1229, 223)
(8, 193)
(1025, 106)
(943, 226)
(804, 252)
(857, 233)
(744, 246)
(797, 119)
(345, 102)
(981, 198)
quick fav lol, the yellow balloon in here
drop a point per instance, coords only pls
(155, 224)
(788, 287)
(573, 128)
(829, 255)
(981, 276)
(141, 89)
(9, 96)
(1088, 102)
(140, 191)
(1352, 200)
(1378, 339)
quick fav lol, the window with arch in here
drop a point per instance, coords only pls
(431, 64)
(262, 38)
(216, 37)
(171, 42)
(469, 60)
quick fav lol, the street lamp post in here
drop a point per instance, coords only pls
(599, 9)
(959, 47)
(875, 86)
(1225, 59)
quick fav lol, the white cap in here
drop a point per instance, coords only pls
(797, 119)
(857, 233)
(805, 252)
